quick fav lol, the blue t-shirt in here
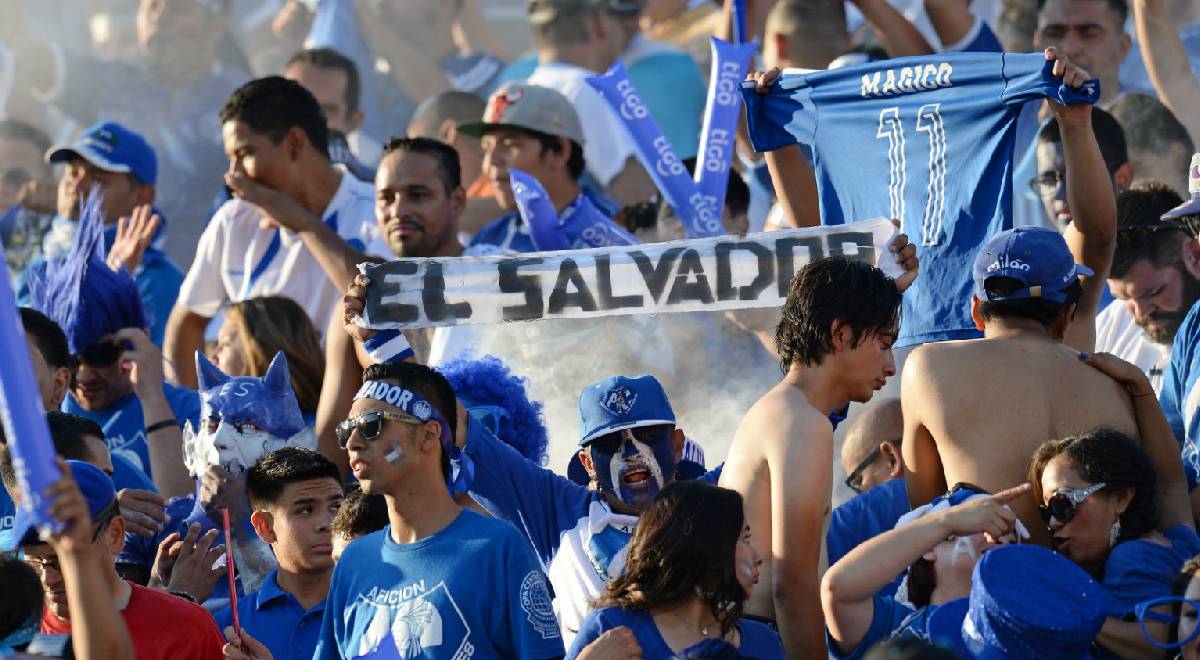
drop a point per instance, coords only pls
(864, 517)
(125, 429)
(757, 640)
(275, 618)
(889, 619)
(510, 232)
(1180, 397)
(928, 140)
(1140, 570)
(473, 589)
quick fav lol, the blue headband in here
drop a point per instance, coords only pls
(462, 468)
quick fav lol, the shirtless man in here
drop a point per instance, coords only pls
(975, 410)
(835, 343)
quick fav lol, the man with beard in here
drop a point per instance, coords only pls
(1155, 278)
(169, 94)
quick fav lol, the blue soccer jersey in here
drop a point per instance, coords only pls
(927, 140)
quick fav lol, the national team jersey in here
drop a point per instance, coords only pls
(927, 140)
(472, 590)
(1180, 396)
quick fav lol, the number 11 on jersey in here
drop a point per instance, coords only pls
(891, 128)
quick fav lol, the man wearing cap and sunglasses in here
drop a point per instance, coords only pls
(438, 581)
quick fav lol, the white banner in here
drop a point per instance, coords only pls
(706, 274)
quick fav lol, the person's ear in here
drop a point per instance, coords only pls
(448, 131)
(841, 336)
(264, 526)
(976, 314)
(781, 45)
(355, 120)
(1191, 256)
(558, 159)
(145, 194)
(1126, 44)
(930, 556)
(678, 438)
(60, 382)
(458, 202)
(1123, 498)
(1059, 329)
(892, 452)
(1123, 177)
(293, 142)
(585, 459)
(114, 536)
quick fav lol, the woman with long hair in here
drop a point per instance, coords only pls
(1119, 508)
(256, 329)
(689, 571)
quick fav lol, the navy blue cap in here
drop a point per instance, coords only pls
(619, 403)
(1039, 258)
(1030, 602)
(95, 486)
(112, 148)
(1192, 205)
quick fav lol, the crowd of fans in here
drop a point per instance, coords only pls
(992, 453)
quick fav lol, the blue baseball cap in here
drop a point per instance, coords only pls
(97, 490)
(1039, 258)
(112, 148)
(619, 403)
(1192, 205)
(1031, 602)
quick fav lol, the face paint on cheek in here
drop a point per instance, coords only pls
(963, 545)
(634, 455)
(395, 455)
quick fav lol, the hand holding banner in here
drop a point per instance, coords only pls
(708, 274)
(700, 219)
(24, 420)
(721, 114)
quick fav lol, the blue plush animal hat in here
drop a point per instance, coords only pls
(268, 402)
(492, 394)
(81, 293)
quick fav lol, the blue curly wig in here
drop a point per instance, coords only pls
(491, 393)
(81, 293)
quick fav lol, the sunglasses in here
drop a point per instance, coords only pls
(854, 479)
(1168, 622)
(102, 354)
(369, 425)
(611, 443)
(1062, 505)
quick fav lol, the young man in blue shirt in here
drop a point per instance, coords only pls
(438, 581)
(294, 495)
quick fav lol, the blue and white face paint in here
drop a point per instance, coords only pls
(634, 464)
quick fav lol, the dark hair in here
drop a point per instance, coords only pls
(575, 162)
(684, 545)
(274, 105)
(15, 129)
(444, 154)
(1119, 7)
(1141, 232)
(922, 580)
(1151, 126)
(330, 59)
(67, 431)
(425, 383)
(1111, 457)
(8, 474)
(23, 595)
(1044, 311)
(834, 289)
(361, 514)
(1109, 135)
(48, 337)
(266, 481)
(459, 107)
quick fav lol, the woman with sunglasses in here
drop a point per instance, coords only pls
(689, 571)
(1119, 510)
(936, 545)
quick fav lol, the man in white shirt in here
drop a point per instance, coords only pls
(1155, 277)
(580, 38)
(296, 226)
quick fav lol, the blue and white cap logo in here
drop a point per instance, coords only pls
(619, 400)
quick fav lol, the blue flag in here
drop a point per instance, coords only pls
(580, 226)
(721, 114)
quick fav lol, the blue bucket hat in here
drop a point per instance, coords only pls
(619, 403)
(97, 490)
(1192, 205)
(112, 148)
(1030, 602)
(1039, 258)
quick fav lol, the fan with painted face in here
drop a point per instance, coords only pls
(242, 418)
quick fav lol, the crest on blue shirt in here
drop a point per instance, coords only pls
(619, 400)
